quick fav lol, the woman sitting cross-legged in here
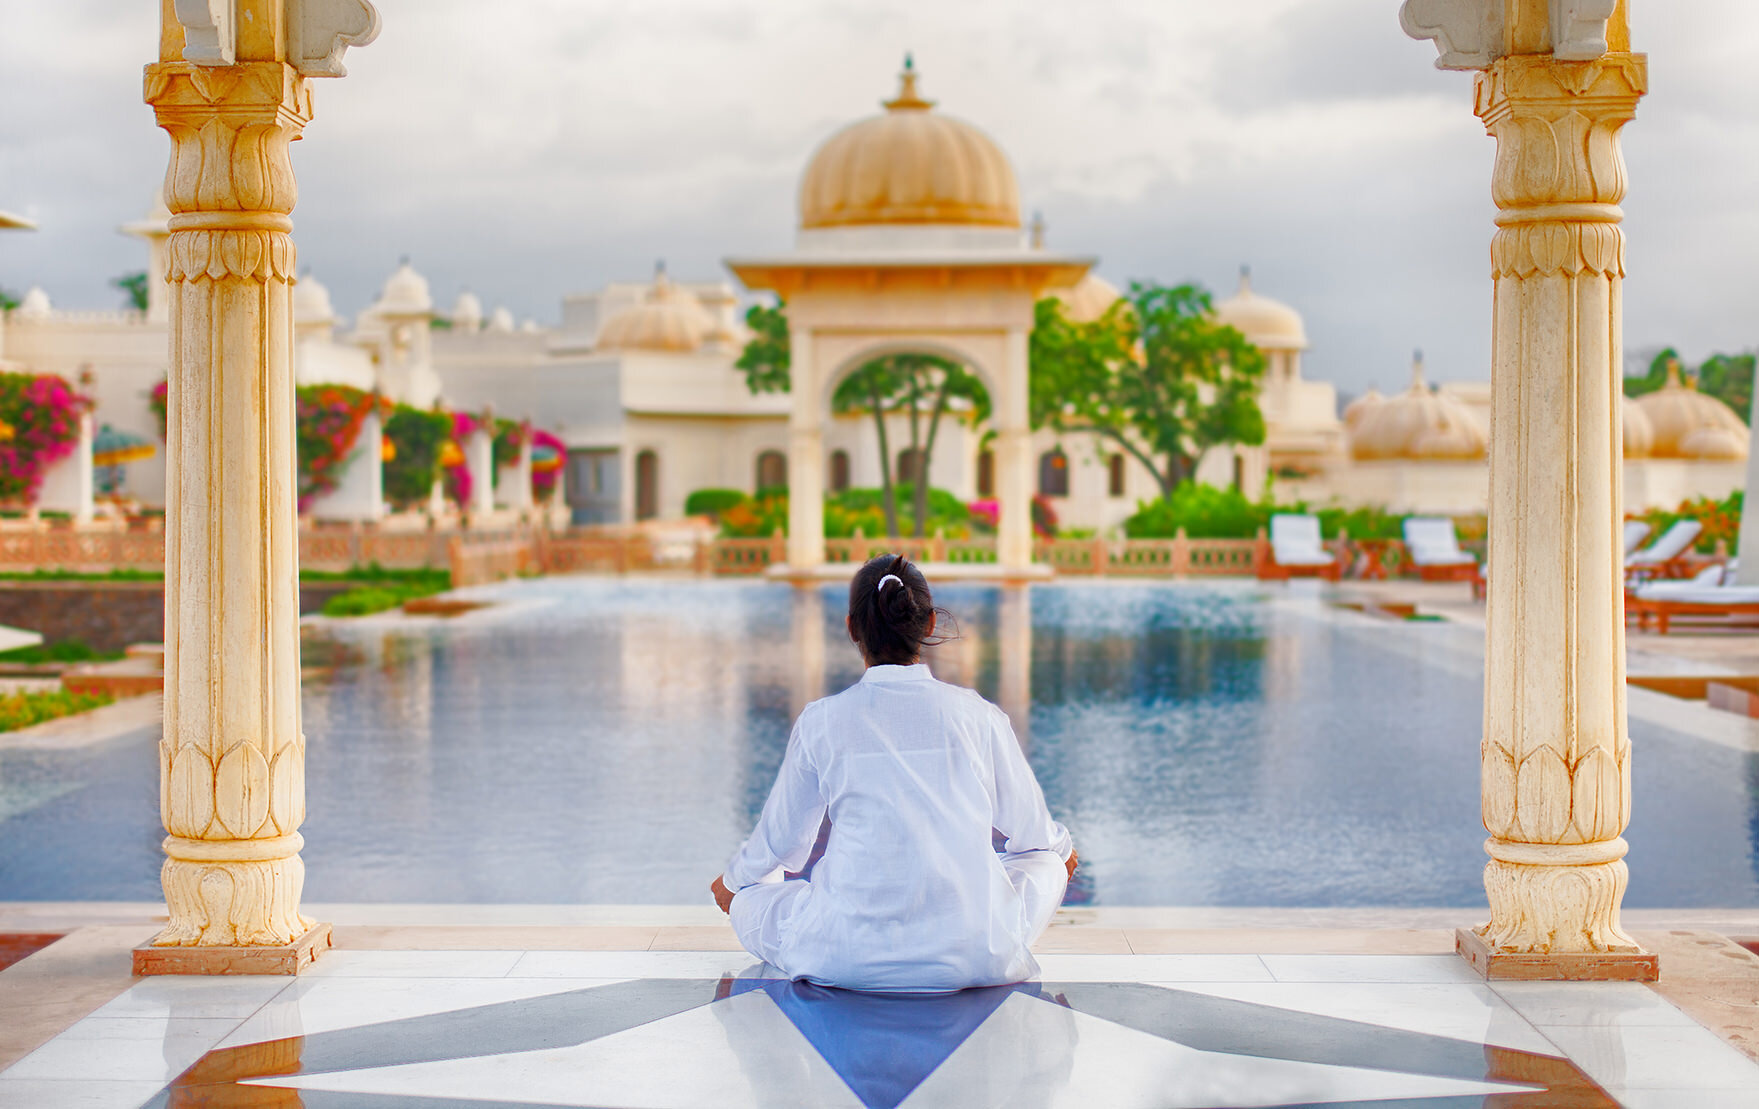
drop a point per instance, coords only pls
(911, 894)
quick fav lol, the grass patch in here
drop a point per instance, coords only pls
(75, 575)
(68, 650)
(385, 590)
(21, 710)
(434, 581)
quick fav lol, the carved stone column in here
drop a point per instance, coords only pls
(1015, 470)
(806, 458)
(232, 760)
(1555, 754)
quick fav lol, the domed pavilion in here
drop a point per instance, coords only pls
(910, 239)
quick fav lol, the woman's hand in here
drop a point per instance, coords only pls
(1072, 862)
(724, 896)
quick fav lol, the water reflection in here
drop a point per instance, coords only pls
(612, 740)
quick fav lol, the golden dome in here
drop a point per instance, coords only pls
(1639, 432)
(1267, 324)
(666, 321)
(1358, 409)
(1678, 412)
(1418, 423)
(1089, 299)
(911, 165)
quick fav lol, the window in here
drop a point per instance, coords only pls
(1115, 475)
(647, 485)
(1053, 473)
(986, 474)
(839, 476)
(909, 466)
(772, 471)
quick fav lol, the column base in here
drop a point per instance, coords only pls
(288, 958)
(1573, 966)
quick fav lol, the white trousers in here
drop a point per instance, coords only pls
(761, 914)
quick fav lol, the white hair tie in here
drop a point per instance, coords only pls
(887, 578)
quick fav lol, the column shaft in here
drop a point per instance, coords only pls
(232, 760)
(806, 508)
(1555, 754)
(1014, 468)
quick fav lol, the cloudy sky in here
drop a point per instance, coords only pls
(527, 148)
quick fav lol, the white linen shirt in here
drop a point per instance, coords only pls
(910, 892)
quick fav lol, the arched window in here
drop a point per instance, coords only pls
(647, 485)
(986, 474)
(772, 471)
(839, 476)
(1053, 473)
(909, 466)
(1115, 475)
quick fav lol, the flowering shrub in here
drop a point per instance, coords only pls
(510, 438)
(39, 426)
(547, 455)
(986, 513)
(327, 422)
(160, 403)
(459, 479)
(416, 438)
(1721, 520)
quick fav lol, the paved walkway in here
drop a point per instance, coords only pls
(656, 1007)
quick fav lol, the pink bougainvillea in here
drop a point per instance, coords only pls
(459, 480)
(39, 426)
(327, 423)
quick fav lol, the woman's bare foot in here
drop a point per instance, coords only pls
(1072, 862)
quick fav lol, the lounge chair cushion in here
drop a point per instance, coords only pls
(1635, 532)
(1432, 541)
(1673, 543)
(1295, 541)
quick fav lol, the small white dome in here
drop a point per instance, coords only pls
(34, 306)
(667, 320)
(500, 320)
(528, 326)
(311, 303)
(405, 294)
(1267, 324)
(467, 311)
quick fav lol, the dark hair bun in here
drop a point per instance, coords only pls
(890, 609)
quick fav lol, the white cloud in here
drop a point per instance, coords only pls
(534, 147)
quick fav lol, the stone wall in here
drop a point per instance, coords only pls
(110, 615)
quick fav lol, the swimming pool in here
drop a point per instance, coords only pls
(610, 741)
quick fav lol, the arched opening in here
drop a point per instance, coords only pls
(986, 474)
(1053, 473)
(1115, 475)
(647, 485)
(838, 479)
(1239, 472)
(772, 471)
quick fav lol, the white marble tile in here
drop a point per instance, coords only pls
(36, 1093)
(1152, 968)
(735, 1054)
(124, 1050)
(1655, 1058)
(1370, 968)
(196, 996)
(1629, 1004)
(413, 964)
(632, 964)
(319, 1005)
(1688, 1099)
(1456, 1010)
(1078, 1061)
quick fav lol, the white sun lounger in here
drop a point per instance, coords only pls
(1635, 532)
(1674, 544)
(1296, 545)
(1434, 547)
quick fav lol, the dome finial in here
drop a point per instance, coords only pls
(1245, 278)
(1417, 369)
(1035, 231)
(907, 99)
(1674, 379)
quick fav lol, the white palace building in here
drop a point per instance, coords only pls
(639, 381)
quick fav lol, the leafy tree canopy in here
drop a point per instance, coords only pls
(134, 287)
(1157, 375)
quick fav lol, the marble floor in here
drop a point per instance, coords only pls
(421, 1029)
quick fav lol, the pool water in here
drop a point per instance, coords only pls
(611, 741)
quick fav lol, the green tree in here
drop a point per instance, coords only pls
(924, 385)
(8, 300)
(416, 438)
(134, 286)
(1157, 375)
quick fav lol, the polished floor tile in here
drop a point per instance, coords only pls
(489, 1029)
